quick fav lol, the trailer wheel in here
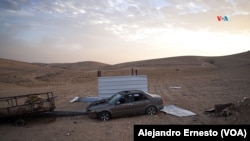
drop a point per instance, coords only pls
(20, 122)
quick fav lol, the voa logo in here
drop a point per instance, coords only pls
(222, 18)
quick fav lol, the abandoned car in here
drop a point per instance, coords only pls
(125, 103)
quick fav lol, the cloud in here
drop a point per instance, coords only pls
(13, 4)
(75, 26)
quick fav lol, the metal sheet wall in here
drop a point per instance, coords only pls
(107, 86)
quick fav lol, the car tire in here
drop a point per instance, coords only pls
(20, 122)
(104, 116)
(151, 110)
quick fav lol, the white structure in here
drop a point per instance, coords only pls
(107, 86)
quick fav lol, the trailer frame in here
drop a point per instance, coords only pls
(22, 106)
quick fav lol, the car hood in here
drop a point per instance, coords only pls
(98, 106)
(101, 101)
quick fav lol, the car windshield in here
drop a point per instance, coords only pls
(113, 99)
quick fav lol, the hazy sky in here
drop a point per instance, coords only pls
(116, 31)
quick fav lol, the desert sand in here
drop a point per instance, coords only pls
(203, 82)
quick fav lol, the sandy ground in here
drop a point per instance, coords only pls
(202, 86)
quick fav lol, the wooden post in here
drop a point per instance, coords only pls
(99, 73)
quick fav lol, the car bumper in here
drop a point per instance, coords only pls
(159, 107)
(92, 114)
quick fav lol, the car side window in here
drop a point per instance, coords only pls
(139, 97)
(126, 99)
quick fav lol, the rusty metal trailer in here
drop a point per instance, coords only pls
(19, 107)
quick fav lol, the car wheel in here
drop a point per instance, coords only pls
(104, 116)
(20, 122)
(151, 110)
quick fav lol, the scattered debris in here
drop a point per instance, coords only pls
(69, 133)
(244, 101)
(228, 109)
(175, 87)
(244, 106)
(177, 111)
(223, 110)
(75, 99)
(85, 99)
(210, 110)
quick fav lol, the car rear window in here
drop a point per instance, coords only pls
(139, 97)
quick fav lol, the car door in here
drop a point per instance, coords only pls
(124, 107)
(140, 103)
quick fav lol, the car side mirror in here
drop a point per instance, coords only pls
(118, 102)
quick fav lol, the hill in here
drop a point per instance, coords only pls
(12, 65)
(80, 66)
(222, 61)
(12, 71)
(184, 61)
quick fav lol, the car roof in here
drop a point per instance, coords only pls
(130, 92)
